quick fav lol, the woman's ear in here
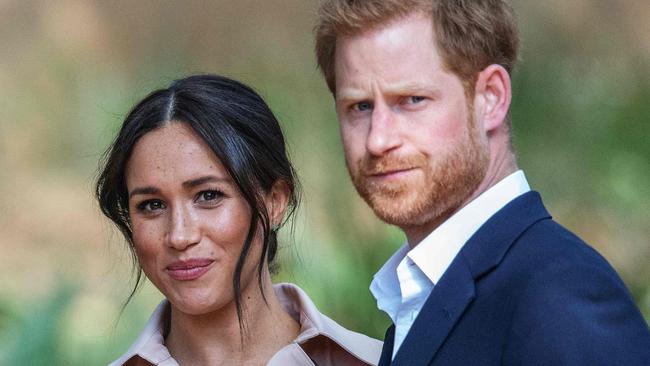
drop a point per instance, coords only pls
(277, 201)
(492, 96)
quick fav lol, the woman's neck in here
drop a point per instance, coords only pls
(216, 338)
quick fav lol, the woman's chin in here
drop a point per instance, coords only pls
(192, 305)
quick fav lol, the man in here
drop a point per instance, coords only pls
(422, 91)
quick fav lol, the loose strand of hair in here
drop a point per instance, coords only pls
(243, 327)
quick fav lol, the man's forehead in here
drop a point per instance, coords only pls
(394, 34)
(392, 52)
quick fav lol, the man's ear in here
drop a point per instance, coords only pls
(492, 97)
(277, 201)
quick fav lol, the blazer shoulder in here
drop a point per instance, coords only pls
(547, 243)
(572, 306)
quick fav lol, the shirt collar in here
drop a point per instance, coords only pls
(313, 323)
(434, 253)
(150, 344)
(385, 285)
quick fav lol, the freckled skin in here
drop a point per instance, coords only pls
(187, 226)
(412, 143)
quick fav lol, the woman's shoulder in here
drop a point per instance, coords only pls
(322, 338)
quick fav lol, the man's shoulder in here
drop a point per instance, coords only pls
(547, 251)
(550, 262)
(544, 296)
(543, 256)
(522, 237)
(562, 288)
(547, 243)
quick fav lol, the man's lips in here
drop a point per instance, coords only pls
(190, 269)
(390, 173)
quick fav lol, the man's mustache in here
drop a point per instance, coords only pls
(371, 165)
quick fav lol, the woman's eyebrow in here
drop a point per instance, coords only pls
(202, 180)
(144, 190)
(187, 185)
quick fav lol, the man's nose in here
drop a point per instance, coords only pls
(384, 134)
(184, 229)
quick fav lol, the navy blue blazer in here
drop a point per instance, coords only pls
(525, 291)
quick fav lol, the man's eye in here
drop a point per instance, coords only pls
(362, 106)
(150, 205)
(209, 195)
(415, 99)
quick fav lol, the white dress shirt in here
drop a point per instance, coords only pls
(404, 283)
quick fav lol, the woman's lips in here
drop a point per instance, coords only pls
(189, 269)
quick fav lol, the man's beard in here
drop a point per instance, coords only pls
(448, 181)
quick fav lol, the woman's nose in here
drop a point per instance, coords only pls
(184, 229)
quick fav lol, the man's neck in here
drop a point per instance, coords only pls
(501, 166)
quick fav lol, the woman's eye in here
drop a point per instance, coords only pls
(210, 195)
(150, 205)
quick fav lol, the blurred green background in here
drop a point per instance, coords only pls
(70, 70)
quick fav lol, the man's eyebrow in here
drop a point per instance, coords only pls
(412, 87)
(409, 87)
(350, 94)
(206, 179)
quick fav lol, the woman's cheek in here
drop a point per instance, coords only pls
(148, 244)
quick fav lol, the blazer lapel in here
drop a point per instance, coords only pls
(440, 312)
(456, 289)
(487, 247)
(387, 350)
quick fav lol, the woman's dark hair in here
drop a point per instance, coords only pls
(239, 128)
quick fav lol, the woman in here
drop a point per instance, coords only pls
(198, 181)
